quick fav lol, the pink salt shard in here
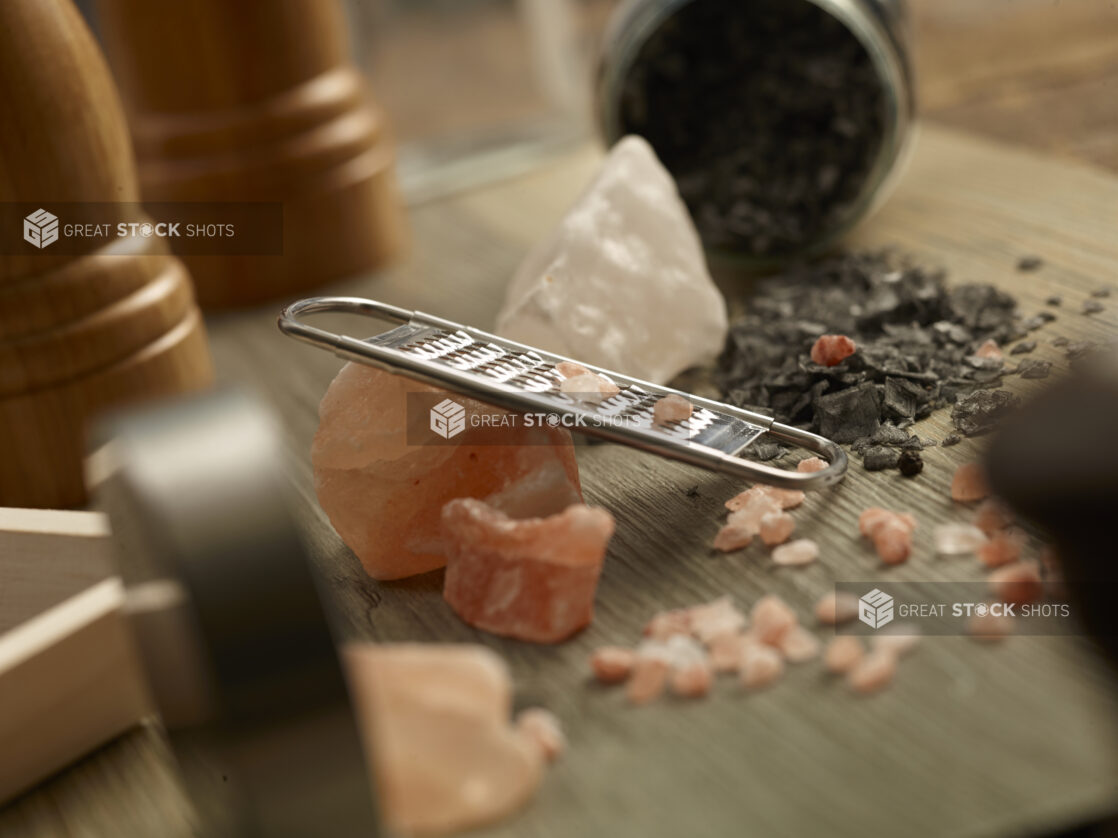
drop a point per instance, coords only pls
(715, 618)
(811, 465)
(990, 350)
(992, 516)
(727, 650)
(874, 516)
(671, 408)
(435, 720)
(836, 607)
(532, 579)
(1019, 583)
(842, 654)
(541, 727)
(776, 528)
(990, 627)
(666, 623)
(732, 537)
(798, 645)
(692, 681)
(385, 496)
(569, 369)
(873, 673)
(1003, 549)
(760, 666)
(830, 350)
(771, 618)
(796, 553)
(612, 664)
(969, 483)
(589, 387)
(957, 539)
(890, 532)
(647, 682)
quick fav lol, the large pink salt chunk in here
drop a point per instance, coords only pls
(436, 724)
(830, 350)
(969, 483)
(533, 578)
(671, 408)
(385, 496)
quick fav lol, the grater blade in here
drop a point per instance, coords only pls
(522, 378)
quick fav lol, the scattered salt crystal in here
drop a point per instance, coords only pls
(991, 516)
(715, 618)
(891, 533)
(684, 651)
(750, 496)
(692, 681)
(726, 651)
(836, 607)
(874, 516)
(787, 498)
(842, 654)
(811, 465)
(898, 639)
(732, 537)
(874, 672)
(647, 680)
(799, 552)
(655, 650)
(776, 527)
(760, 666)
(612, 664)
(832, 349)
(569, 369)
(1004, 548)
(1018, 583)
(589, 387)
(990, 627)
(666, 623)
(988, 350)
(969, 483)
(671, 408)
(541, 727)
(957, 539)
(771, 618)
(798, 645)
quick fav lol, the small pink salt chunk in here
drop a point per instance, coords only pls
(836, 607)
(533, 579)
(692, 680)
(727, 650)
(715, 618)
(832, 349)
(1004, 548)
(612, 664)
(753, 496)
(874, 672)
(647, 681)
(776, 527)
(771, 618)
(842, 654)
(969, 483)
(671, 408)
(569, 369)
(891, 533)
(760, 666)
(990, 627)
(874, 516)
(795, 553)
(589, 387)
(899, 639)
(666, 623)
(541, 727)
(732, 537)
(989, 349)
(955, 539)
(1019, 583)
(798, 645)
(991, 516)
(811, 465)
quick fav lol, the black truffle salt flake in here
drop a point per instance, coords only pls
(911, 463)
(1023, 348)
(981, 411)
(1034, 368)
(849, 414)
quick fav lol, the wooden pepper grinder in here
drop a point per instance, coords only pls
(88, 327)
(257, 100)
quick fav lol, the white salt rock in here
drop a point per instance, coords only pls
(957, 539)
(622, 282)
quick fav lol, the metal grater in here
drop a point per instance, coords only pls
(521, 378)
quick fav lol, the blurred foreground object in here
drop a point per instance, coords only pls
(79, 331)
(1057, 463)
(257, 100)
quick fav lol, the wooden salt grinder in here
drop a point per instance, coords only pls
(257, 100)
(79, 332)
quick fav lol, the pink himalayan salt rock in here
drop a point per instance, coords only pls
(811, 465)
(872, 517)
(1018, 583)
(1004, 548)
(989, 349)
(647, 681)
(776, 527)
(957, 539)
(692, 681)
(842, 654)
(435, 720)
(384, 497)
(727, 650)
(533, 579)
(990, 628)
(715, 618)
(612, 664)
(569, 369)
(760, 494)
(798, 645)
(969, 483)
(873, 673)
(771, 618)
(732, 537)
(666, 623)
(589, 387)
(760, 666)
(836, 607)
(992, 516)
(832, 349)
(890, 532)
(796, 553)
(541, 727)
(899, 639)
(671, 408)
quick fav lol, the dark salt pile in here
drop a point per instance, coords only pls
(916, 341)
(768, 113)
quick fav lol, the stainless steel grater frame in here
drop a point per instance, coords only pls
(523, 379)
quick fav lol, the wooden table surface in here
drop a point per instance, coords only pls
(972, 740)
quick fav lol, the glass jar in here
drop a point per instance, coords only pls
(635, 37)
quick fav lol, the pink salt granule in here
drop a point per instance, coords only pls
(811, 465)
(541, 727)
(1019, 583)
(899, 639)
(760, 666)
(726, 651)
(798, 645)
(836, 607)
(969, 483)
(776, 528)
(990, 627)
(992, 516)
(1003, 549)
(666, 623)
(612, 664)
(770, 618)
(842, 654)
(989, 349)
(569, 369)
(796, 553)
(873, 672)
(647, 681)
(890, 532)
(693, 680)
(671, 408)
(715, 618)
(732, 537)
(955, 539)
(589, 387)
(832, 349)
(532, 579)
